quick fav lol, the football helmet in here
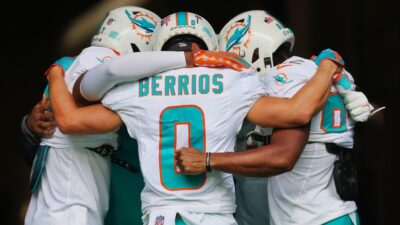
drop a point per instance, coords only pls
(127, 29)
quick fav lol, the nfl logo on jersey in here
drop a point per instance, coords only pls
(159, 220)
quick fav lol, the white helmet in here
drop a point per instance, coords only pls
(185, 23)
(255, 35)
(127, 29)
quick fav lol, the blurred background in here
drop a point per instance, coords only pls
(365, 32)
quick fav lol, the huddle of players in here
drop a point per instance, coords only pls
(206, 198)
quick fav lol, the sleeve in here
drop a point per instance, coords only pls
(286, 81)
(29, 142)
(345, 83)
(254, 88)
(119, 97)
(121, 100)
(65, 63)
(130, 67)
(248, 89)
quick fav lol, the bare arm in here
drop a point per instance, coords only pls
(278, 157)
(73, 120)
(298, 110)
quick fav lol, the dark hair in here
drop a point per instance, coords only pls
(183, 42)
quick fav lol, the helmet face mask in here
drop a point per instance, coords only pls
(255, 36)
(183, 28)
(183, 42)
(127, 29)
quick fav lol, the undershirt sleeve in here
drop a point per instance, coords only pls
(131, 67)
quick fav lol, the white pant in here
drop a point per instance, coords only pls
(307, 194)
(74, 189)
(189, 218)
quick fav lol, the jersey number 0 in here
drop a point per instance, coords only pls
(188, 117)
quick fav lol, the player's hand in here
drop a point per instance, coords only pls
(190, 161)
(358, 106)
(333, 56)
(218, 59)
(54, 70)
(41, 121)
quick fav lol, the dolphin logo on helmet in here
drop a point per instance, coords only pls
(142, 23)
(127, 29)
(238, 35)
(257, 41)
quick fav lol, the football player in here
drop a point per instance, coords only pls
(174, 108)
(303, 190)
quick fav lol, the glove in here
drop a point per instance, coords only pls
(218, 59)
(329, 54)
(358, 106)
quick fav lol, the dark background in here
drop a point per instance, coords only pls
(365, 32)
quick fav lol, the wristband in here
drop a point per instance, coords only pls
(208, 166)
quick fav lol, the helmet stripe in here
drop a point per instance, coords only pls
(182, 19)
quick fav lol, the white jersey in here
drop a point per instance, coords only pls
(333, 123)
(87, 59)
(307, 194)
(199, 107)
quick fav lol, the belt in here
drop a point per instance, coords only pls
(108, 150)
(103, 150)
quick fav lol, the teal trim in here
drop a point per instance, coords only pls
(65, 62)
(47, 92)
(344, 82)
(155, 85)
(182, 18)
(143, 87)
(343, 220)
(179, 220)
(38, 167)
(169, 85)
(204, 84)
(334, 102)
(183, 82)
(169, 118)
(113, 34)
(207, 31)
(217, 82)
(328, 54)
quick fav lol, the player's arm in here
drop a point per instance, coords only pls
(278, 157)
(73, 120)
(298, 110)
(38, 123)
(132, 67)
(92, 86)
